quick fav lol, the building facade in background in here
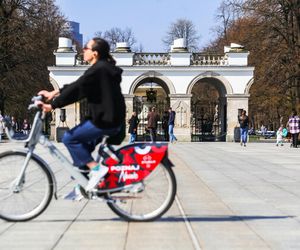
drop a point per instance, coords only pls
(207, 91)
(73, 28)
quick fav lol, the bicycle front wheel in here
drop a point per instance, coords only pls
(33, 194)
(147, 201)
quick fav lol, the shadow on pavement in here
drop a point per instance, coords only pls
(190, 218)
(222, 218)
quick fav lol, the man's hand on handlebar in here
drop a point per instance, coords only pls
(49, 95)
(44, 106)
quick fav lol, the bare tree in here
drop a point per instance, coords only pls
(115, 35)
(29, 31)
(281, 22)
(270, 29)
(227, 14)
(182, 28)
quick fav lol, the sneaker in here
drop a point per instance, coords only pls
(95, 176)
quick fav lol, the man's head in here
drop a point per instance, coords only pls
(153, 109)
(170, 109)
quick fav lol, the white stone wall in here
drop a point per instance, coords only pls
(178, 76)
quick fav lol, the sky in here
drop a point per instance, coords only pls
(148, 19)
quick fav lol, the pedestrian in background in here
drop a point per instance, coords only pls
(165, 125)
(244, 124)
(133, 124)
(25, 127)
(15, 124)
(293, 126)
(172, 115)
(152, 119)
(279, 136)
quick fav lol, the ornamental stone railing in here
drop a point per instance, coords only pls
(151, 59)
(204, 59)
(234, 55)
(164, 59)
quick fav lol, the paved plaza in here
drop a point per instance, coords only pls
(229, 197)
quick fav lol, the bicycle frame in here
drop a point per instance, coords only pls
(125, 170)
(32, 140)
(129, 175)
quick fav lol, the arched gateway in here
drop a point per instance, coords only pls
(205, 90)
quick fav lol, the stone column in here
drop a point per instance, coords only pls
(129, 105)
(234, 103)
(129, 109)
(181, 104)
(123, 54)
(222, 116)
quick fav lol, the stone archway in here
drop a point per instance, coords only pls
(152, 74)
(53, 83)
(208, 109)
(248, 86)
(151, 92)
(227, 88)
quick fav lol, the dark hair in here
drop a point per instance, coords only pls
(294, 112)
(102, 47)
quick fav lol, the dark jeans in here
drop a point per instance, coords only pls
(295, 139)
(171, 133)
(244, 134)
(82, 140)
(132, 137)
(166, 133)
(152, 134)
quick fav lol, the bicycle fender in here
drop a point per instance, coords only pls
(137, 162)
(42, 162)
(167, 162)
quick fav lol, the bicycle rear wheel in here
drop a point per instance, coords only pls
(148, 201)
(29, 199)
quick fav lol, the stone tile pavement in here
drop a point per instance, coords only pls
(229, 197)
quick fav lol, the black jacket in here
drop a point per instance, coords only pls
(133, 124)
(100, 85)
(244, 121)
(172, 117)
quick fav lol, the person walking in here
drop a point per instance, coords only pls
(294, 129)
(100, 86)
(133, 124)
(165, 125)
(244, 124)
(171, 123)
(152, 119)
(25, 127)
(279, 136)
(15, 124)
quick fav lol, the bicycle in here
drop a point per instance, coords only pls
(139, 186)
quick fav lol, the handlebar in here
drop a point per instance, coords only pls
(34, 100)
(36, 126)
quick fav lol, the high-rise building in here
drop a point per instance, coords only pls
(73, 28)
